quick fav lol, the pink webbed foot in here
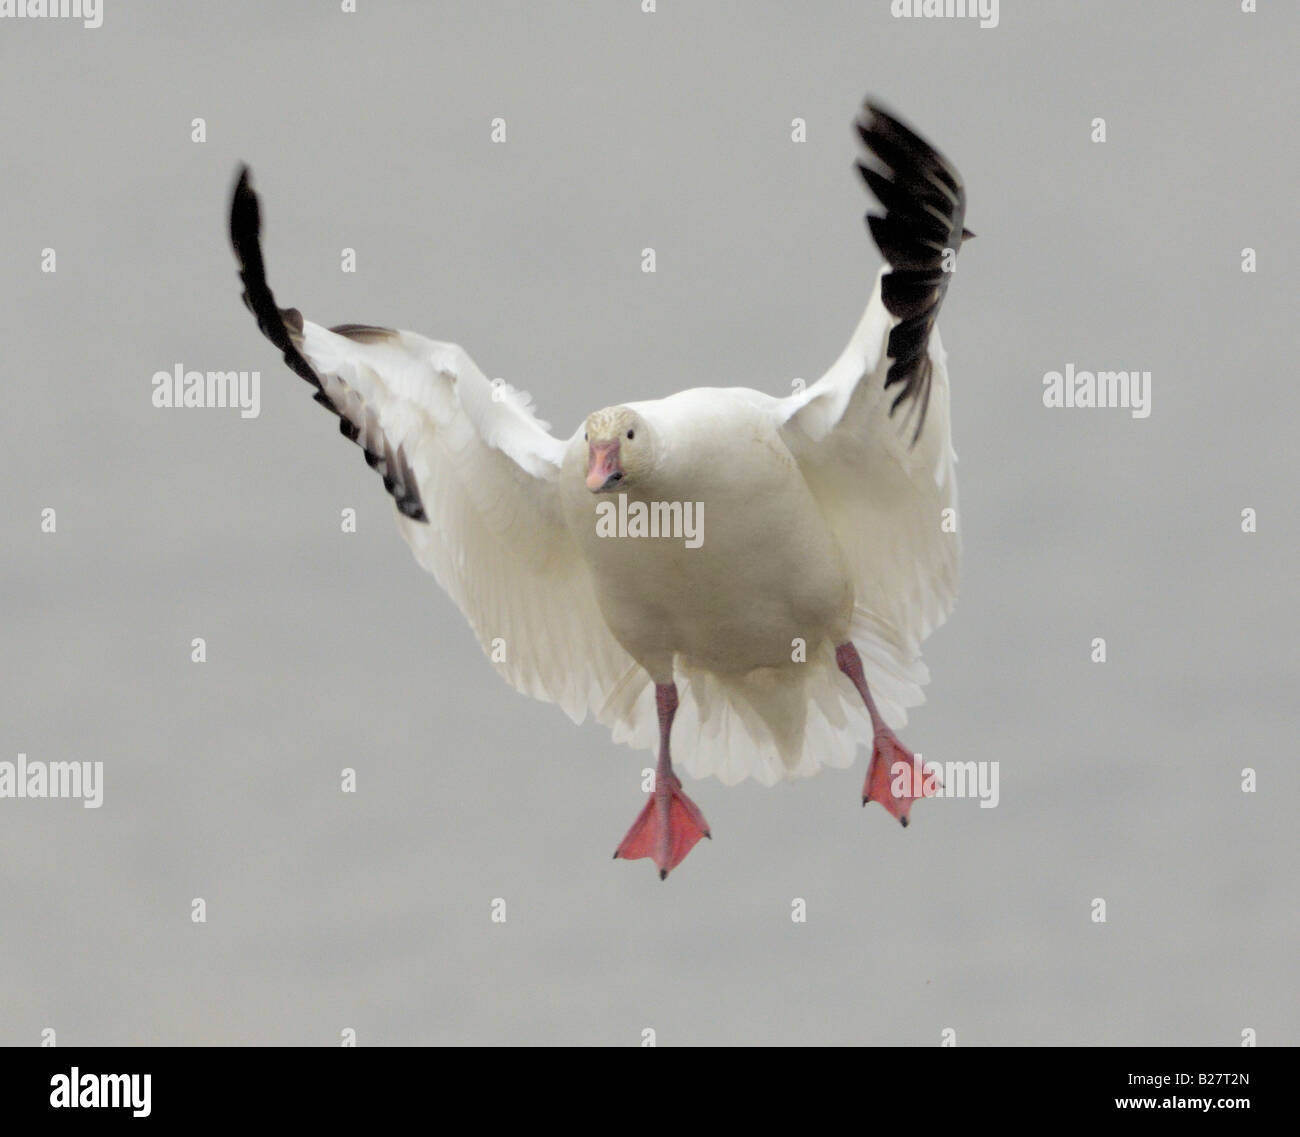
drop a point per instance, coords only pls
(895, 777)
(666, 830)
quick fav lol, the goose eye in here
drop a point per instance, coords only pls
(631, 434)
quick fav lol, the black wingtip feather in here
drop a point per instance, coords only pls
(282, 325)
(245, 236)
(925, 208)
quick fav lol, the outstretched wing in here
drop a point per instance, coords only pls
(473, 474)
(873, 435)
(925, 208)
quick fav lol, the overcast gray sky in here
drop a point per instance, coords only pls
(626, 130)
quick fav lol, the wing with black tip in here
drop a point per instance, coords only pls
(919, 234)
(474, 475)
(873, 435)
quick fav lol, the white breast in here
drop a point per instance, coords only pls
(765, 574)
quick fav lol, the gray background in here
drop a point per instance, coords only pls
(628, 130)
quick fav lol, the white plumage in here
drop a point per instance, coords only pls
(822, 511)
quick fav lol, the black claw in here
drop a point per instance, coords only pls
(708, 835)
(864, 802)
(903, 822)
(663, 874)
(615, 854)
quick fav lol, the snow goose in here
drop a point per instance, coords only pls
(788, 630)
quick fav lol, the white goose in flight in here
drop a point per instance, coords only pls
(789, 630)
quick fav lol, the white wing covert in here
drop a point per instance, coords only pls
(473, 474)
(885, 479)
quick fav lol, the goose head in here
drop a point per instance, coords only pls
(620, 449)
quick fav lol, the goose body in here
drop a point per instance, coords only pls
(746, 593)
(779, 634)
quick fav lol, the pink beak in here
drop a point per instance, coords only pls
(603, 467)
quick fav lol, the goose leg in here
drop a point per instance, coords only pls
(886, 750)
(670, 824)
